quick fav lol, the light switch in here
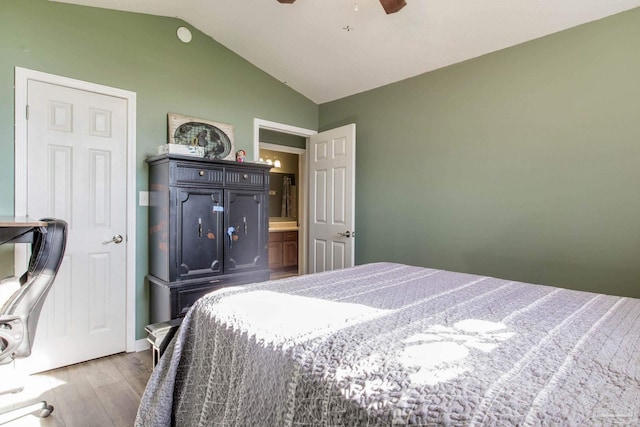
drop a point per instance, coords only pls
(143, 198)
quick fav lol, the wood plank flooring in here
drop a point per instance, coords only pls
(102, 392)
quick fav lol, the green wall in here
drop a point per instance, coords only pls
(279, 138)
(140, 53)
(522, 164)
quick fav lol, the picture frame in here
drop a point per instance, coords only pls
(216, 138)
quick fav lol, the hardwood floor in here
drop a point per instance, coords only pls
(100, 392)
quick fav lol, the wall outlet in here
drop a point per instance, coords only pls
(143, 198)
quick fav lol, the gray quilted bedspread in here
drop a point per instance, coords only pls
(387, 344)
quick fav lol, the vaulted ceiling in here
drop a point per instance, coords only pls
(326, 49)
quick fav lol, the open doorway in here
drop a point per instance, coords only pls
(288, 226)
(284, 198)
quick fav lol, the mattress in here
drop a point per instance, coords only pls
(387, 344)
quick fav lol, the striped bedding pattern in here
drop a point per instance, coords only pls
(387, 344)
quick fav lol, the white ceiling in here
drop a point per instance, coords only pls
(306, 45)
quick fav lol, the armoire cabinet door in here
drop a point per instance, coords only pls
(245, 242)
(200, 233)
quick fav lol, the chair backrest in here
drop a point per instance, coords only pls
(20, 313)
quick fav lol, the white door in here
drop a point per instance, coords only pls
(332, 165)
(76, 151)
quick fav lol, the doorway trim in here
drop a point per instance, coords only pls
(22, 77)
(302, 166)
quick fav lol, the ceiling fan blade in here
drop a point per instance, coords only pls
(392, 6)
(389, 6)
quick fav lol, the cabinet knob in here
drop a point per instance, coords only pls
(201, 173)
(245, 176)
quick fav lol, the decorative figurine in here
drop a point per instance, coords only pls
(241, 155)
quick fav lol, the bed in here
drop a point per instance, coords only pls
(387, 344)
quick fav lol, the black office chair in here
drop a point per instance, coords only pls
(20, 313)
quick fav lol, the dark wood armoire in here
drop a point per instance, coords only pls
(208, 228)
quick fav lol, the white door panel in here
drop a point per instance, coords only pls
(77, 172)
(332, 199)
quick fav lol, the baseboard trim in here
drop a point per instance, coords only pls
(142, 345)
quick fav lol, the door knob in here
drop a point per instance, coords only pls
(116, 239)
(346, 234)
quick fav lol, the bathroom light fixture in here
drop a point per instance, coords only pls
(275, 162)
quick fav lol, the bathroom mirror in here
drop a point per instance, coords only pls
(283, 197)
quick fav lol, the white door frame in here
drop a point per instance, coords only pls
(302, 166)
(22, 76)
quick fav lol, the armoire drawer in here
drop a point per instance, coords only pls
(198, 175)
(252, 179)
(185, 297)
